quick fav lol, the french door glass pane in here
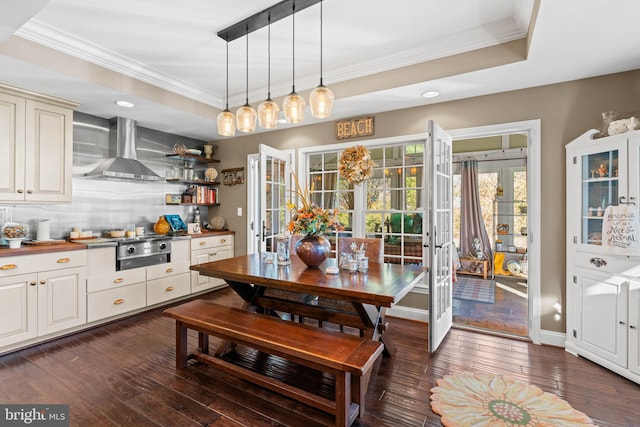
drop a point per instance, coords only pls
(388, 205)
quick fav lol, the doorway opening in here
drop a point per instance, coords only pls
(492, 290)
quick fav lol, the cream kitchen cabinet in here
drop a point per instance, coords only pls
(18, 302)
(173, 280)
(36, 147)
(36, 303)
(109, 292)
(207, 249)
(602, 288)
(113, 293)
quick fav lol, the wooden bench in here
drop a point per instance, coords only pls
(346, 357)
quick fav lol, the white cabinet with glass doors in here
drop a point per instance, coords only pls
(603, 301)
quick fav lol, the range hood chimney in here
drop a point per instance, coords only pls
(122, 163)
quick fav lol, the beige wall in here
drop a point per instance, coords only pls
(566, 111)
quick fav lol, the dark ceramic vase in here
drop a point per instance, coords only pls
(313, 250)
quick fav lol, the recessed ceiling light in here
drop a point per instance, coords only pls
(125, 104)
(430, 94)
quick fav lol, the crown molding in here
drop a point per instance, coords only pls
(54, 38)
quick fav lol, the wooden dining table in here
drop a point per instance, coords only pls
(361, 297)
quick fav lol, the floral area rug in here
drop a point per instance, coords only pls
(472, 289)
(477, 399)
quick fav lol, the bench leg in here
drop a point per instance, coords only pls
(181, 345)
(343, 398)
(203, 342)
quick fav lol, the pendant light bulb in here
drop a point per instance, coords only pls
(268, 110)
(321, 98)
(321, 102)
(226, 120)
(226, 123)
(293, 105)
(268, 114)
(246, 116)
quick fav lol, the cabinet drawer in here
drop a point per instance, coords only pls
(620, 265)
(168, 288)
(113, 302)
(116, 279)
(10, 266)
(165, 270)
(208, 242)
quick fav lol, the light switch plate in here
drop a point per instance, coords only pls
(239, 212)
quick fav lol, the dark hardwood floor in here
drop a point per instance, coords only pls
(122, 374)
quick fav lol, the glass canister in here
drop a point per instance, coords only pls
(283, 247)
(363, 264)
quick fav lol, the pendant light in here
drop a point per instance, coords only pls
(226, 120)
(321, 98)
(268, 110)
(293, 105)
(246, 115)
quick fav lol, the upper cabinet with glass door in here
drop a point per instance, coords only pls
(600, 173)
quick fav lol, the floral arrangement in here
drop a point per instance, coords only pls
(309, 219)
(356, 164)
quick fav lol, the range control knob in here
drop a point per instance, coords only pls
(131, 249)
(163, 245)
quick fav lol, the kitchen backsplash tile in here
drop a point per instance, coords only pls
(102, 205)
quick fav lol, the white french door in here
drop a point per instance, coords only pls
(274, 190)
(440, 236)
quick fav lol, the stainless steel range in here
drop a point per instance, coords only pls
(142, 251)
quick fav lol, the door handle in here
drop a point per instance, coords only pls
(264, 230)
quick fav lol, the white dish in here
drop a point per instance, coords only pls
(193, 152)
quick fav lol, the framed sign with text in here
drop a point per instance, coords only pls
(354, 128)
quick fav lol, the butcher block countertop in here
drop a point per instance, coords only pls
(33, 250)
(211, 233)
(69, 246)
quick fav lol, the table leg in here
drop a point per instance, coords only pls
(181, 345)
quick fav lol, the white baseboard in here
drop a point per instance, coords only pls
(408, 313)
(556, 339)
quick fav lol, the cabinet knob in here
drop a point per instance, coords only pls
(118, 280)
(598, 262)
(43, 282)
(118, 301)
(20, 191)
(202, 243)
(169, 270)
(223, 240)
(29, 191)
(621, 322)
(9, 267)
(169, 288)
(632, 327)
(33, 283)
(63, 260)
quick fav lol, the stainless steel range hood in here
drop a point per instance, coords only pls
(122, 163)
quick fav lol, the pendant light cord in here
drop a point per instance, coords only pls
(269, 59)
(227, 75)
(321, 43)
(247, 62)
(293, 16)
